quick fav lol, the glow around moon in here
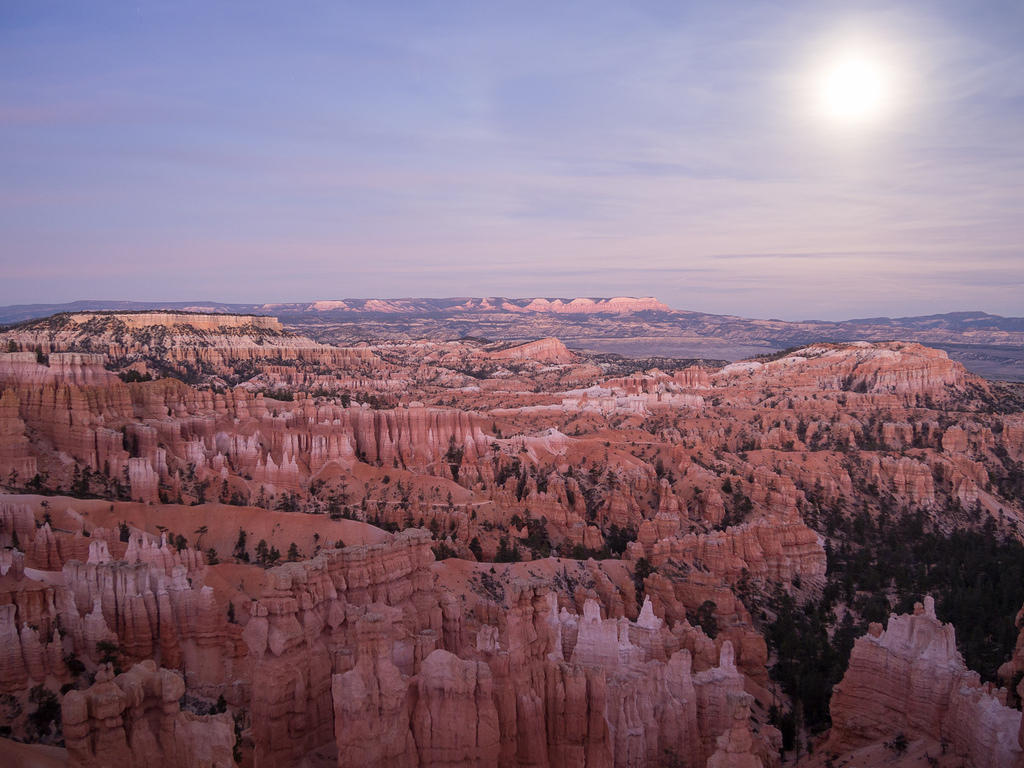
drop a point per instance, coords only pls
(855, 87)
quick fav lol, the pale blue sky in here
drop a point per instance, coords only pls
(297, 151)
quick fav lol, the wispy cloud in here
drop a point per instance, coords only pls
(806, 255)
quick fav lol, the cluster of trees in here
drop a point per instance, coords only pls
(741, 506)
(283, 395)
(134, 377)
(266, 555)
(704, 617)
(442, 551)
(975, 576)
(617, 538)
(537, 539)
(507, 553)
(1007, 477)
(85, 483)
(453, 457)
(46, 718)
(810, 661)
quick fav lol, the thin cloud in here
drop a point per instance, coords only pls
(803, 255)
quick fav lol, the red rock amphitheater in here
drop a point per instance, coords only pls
(454, 553)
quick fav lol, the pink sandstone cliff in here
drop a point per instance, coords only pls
(910, 679)
(135, 720)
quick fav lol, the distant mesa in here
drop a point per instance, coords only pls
(328, 306)
(204, 322)
(618, 305)
(203, 309)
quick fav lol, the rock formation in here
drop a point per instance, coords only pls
(16, 459)
(543, 351)
(859, 367)
(134, 719)
(200, 322)
(909, 679)
(193, 345)
(735, 747)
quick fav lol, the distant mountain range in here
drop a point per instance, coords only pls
(462, 305)
(407, 306)
(988, 344)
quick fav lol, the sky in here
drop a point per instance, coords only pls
(252, 151)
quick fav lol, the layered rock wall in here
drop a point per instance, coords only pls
(202, 322)
(910, 679)
(135, 720)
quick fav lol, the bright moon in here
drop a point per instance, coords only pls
(855, 88)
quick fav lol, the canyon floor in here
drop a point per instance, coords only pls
(385, 534)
